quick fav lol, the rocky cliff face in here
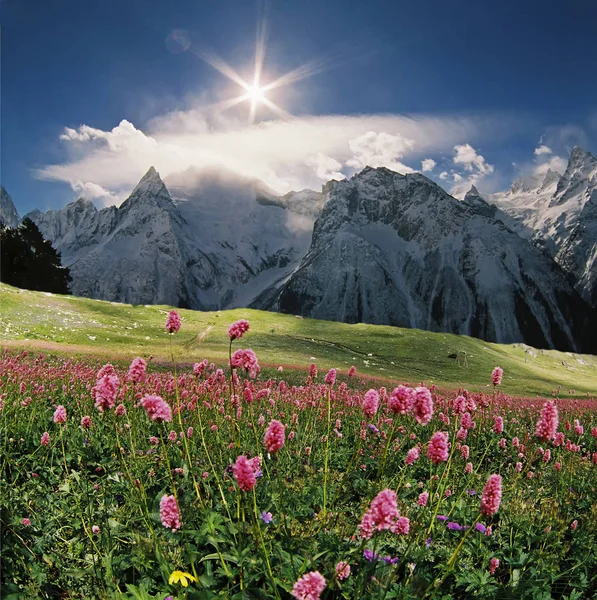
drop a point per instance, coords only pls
(8, 212)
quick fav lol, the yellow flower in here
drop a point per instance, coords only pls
(179, 576)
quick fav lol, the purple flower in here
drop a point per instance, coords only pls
(471, 492)
(480, 527)
(390, 561)
(370, 555)
(428, 542)
(266, 517)
(454, 526)
(373, 428)
(442, 517)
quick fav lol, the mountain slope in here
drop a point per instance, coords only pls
(217, 242)
(397, 249)
(553, 215)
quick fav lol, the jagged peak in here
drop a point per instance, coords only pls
(473, 193)
(150, 182)
(578, 153)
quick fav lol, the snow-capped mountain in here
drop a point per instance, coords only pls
(380, 248)
(216, 242)
(397, 249)
(8, 212)
(558, 214)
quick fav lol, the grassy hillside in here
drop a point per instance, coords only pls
(121, 331)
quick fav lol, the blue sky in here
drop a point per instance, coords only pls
(473, 86)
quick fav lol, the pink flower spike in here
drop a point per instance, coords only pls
(60, 414)
(370, 403)
(330, 377)
(169, 512)
(157, 409)
(238, 329)
(492, 495)
(309, 586)
(438, 450)
(274, 436)
(244, 474)
(173, 322)
(423, 406)
(45, 439)
(342, 570)
(496, 376)
(547, 425)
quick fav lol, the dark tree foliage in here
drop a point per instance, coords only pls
(28, 261)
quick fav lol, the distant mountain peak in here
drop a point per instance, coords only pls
(473, 192)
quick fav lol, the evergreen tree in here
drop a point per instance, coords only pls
(28, 261)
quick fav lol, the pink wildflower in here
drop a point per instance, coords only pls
(468, 469)
(465, 451)
(104, 391)
(309, 586)
(169, 512)
(401, 400)
(547, 426)
(494, 563)
(437, 450)
(518, 467)
(172, 437)
(95, 529)
(173, 322)
(157, 409)
(137, 370)
(120, 410)
(86, 422)
(496, 376)
(574, 525)
(423, 406)
(246, 359)
(466, 421)
(412, 455)
(330, 377)
(498, 424)
(370, 403)
(26, 522)
(313, 371)
(274, 436)
(423, 498)
(45, 439)
(401, 526)
(244, 474)
(492, 495)
(351, 373)
(459, 405)
(60, 414)
(342, 570)
(237, 329)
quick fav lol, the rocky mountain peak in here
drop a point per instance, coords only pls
(8, 212)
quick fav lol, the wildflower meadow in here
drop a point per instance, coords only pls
(150, 481)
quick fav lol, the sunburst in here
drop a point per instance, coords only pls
(255, 93)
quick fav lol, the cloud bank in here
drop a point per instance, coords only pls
(285, 154)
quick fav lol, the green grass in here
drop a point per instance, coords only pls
(120, 331)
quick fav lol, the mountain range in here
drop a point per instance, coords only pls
(380, 247)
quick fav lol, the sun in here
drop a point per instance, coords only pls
(256, 93)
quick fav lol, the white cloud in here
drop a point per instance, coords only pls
(428, 164)
(466, 155)
(380, 150)
(325, 167)
(543, 149)
(456, 177)
(92, 191)
(292, 154)
(555, 163)
(444, 175)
